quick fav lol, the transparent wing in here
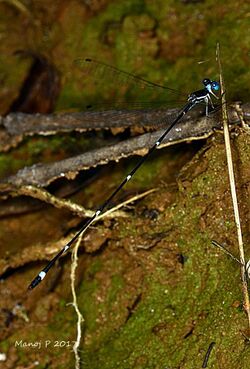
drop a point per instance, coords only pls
(139, 98)
(132, 87)
(129, 118)
(100, 68)
(154, 117)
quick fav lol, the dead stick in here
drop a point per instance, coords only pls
(43, 195)
(233, 190)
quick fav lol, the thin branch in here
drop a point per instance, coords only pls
(233, 190)
(42, 175)
(124, 203)
(16, 126)
(45, 196)
(44, 252)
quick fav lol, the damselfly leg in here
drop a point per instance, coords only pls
(226, 251)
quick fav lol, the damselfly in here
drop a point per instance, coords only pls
(202, 96)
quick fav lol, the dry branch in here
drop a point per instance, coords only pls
(42, 175)
(14, 127)
(44, 252)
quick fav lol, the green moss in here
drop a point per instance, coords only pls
(192, 311)
(116, 286)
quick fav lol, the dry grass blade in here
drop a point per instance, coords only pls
(233, 190)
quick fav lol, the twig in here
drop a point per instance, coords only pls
(233, 190)
(15, 126)
(45, 196)
(43, 174)
(44, 252)
(80, 318)
(124, 203)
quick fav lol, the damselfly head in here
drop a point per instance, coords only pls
(211, 85)
(215, 85)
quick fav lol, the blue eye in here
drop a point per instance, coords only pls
(215, 86)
